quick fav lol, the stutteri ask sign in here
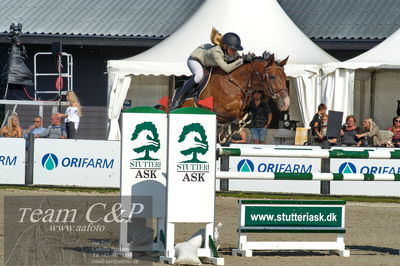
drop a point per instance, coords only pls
(292, 215)
(191, 165)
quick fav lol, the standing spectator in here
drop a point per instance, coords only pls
(72, 115)
(373, 136)
(396, 131)
(261, 118)
(54, 131)
(349, 132)
(36, 127)
(316, 121)
(12, 129)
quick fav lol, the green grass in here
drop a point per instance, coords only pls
(234, 194)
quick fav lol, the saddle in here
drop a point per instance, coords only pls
(197, 90)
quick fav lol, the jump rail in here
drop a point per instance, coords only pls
(306, 176)
(323, 154)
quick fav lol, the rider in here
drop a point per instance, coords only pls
(222, 53)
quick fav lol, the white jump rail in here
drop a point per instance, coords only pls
(323, 154)
(306, 176)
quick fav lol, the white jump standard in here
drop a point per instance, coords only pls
(143, 167)
(191, 177)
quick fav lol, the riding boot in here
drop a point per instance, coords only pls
(181, 93)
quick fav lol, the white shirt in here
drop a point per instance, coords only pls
(72, 116)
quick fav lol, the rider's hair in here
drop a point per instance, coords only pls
(215, 37)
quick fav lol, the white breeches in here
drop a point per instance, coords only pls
(197, 69)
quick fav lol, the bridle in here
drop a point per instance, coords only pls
(265, 78)
(262, 79)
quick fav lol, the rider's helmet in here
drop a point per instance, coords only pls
(232, 40)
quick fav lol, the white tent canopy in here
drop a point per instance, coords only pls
(261, 24)
(384, 55)
(380, 88)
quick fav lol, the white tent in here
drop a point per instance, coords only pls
(261, 24)
(384, 55)
(377, 79)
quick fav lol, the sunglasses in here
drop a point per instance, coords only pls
(396, 120)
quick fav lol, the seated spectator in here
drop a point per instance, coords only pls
(239, 137)
(322, 129)
(36, 127)
(12, 129)
(55, 131)
(396, 131)
(349, 131)
(373, 136)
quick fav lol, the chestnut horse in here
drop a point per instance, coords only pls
(232, 92)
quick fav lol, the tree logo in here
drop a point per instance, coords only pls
(146, 135)
(49, 161)
(195, 134)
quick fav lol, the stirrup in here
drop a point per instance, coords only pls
(175, 104)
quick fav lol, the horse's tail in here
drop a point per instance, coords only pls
(215, 37)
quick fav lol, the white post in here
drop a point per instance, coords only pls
(143, 171)
(191, 175)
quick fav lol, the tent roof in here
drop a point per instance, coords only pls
(262, 25)
(344, 19)
(384, 55)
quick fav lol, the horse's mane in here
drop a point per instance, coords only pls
(264, 57)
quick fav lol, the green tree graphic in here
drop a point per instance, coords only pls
(152, 143)
(201, 145)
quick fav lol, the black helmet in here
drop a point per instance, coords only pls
(232, 40)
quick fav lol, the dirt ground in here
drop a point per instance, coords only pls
(372, 235)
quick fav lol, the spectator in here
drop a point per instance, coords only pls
(12, 129)
(239, 137)
(316, 121)
(36, 127)
(396, 131)
(72, 115)
(349, 131)
(261, 118)
(55, 131)
(322, 130)
(373, 136)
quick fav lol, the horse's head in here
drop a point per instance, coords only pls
(269, 76)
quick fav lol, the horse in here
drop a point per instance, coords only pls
(232, 92)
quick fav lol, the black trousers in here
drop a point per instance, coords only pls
(71, 131)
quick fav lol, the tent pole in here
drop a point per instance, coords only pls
(373, 81)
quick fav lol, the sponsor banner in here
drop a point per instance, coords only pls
(299, 216)
(143, 155)
(12, 161)
(270, 164)
(365, 166)
(191, 165)
(72, 230)
(275, 165)
(92, 163)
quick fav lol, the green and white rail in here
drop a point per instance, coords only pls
(308, 153)
(306, 176)
(301, 153)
